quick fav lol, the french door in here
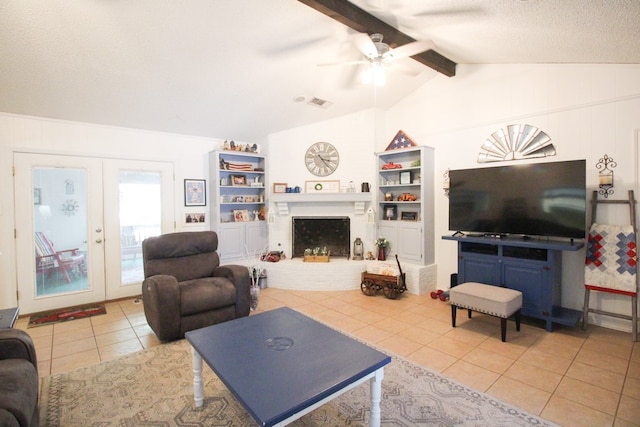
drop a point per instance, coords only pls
(80, 222)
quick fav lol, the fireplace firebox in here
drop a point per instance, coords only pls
(332, 232)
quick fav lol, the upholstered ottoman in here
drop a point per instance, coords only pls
(488, 299)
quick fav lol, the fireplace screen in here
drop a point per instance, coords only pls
(332, 232)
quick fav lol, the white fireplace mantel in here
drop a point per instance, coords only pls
(282, 200)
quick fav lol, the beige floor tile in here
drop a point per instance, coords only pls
(610, 363)
(78, 359)
(399, 345)
(550, 362)
(73, 347)
(609, 347)
(112, 351)
(116, 325)
(533, 376)
(589, 395)
(568, 413)
(634, 370)
(596, 376)
(71, 325)
(513, 348)
(114, 337)
(489, 360)
(632, 388)
(519, 394)
(371, 334)
(419, 335)
(451, 346)
(432, 359)
(472, 375)
(629, 410)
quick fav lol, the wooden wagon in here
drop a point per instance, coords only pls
(391, 286)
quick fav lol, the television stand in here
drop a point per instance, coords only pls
(533, 267)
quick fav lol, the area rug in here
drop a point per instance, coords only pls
(63, 315)
(154, 387)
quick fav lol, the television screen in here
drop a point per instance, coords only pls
(541, 199)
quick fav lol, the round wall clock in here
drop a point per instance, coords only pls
(322, 159)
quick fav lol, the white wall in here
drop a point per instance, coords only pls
(354, 138)
(587, 110)
(21, 133)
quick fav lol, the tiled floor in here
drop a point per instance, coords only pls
(569, 376)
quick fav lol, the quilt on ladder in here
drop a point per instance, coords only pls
(611, 257)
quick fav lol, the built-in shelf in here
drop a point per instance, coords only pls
(282, 200)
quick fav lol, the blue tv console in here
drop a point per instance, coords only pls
(532, 266)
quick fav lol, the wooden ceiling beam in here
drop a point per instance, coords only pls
(363, 22)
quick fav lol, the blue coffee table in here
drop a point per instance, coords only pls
(282, 364)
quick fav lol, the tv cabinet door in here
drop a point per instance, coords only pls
(478, 268)
(533, 280)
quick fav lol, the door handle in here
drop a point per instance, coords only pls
(98, 240)
(98, 230)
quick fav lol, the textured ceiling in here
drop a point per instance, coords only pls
(232, 68)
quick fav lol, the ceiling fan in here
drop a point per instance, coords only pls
(379, 56)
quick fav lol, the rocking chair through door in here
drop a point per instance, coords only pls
(49, 260)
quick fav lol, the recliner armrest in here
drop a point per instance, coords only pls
(17, 344)
(161, 300)
(239, 276)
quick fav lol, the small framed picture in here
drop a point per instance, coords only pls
(194, 218)
(390, 212)
(241, 215)
(405, 177)
(194, 192)
(238, 180)
(279, 187)
(409, 216)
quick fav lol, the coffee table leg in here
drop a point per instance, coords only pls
(376, 396)
(198, 388)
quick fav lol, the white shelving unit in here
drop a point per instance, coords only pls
(408, 224)
(238, 202)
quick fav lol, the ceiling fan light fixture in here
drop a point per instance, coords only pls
(374, 74)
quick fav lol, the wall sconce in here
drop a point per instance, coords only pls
(446, 183)
(605, 175)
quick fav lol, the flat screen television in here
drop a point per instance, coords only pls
(540, 199)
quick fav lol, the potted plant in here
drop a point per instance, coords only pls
(382, 243)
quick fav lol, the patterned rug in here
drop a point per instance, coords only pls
(66, 314)
(154, 387)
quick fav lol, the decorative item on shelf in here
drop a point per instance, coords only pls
(407, 197)
(405, 177)
(409, 216)
(358, 249)
(279, 187)
(391, 165)
(382, 243)
(401, 140)
(388, 197)
(239, 180)
(446, 183)
(605, 175)
(316, 254)
(329, 186)
(241, 215)
(390, 212)
(371, 215)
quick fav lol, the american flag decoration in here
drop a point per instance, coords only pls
(401, 140)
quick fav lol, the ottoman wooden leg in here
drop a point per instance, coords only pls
(453, 315)
(503, 328)
(518, 320)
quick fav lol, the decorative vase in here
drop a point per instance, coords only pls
(382, 254)
(255, 295)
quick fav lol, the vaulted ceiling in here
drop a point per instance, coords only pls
(242, 69)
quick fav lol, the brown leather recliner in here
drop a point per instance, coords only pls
(19, 380)
(186, 288)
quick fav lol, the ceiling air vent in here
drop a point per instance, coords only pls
(321, 103)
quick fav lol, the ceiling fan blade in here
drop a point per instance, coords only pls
(331, 64)
(365, 45)
(405, 68)
(409, 49)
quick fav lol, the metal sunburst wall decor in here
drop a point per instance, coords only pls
(516, 142)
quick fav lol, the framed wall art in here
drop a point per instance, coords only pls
(238, 180)
(279, 187)
(194, 192)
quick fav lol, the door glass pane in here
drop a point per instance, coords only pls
(140, 217)
(60, 225)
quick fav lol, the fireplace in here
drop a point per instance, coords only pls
(332, 232)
